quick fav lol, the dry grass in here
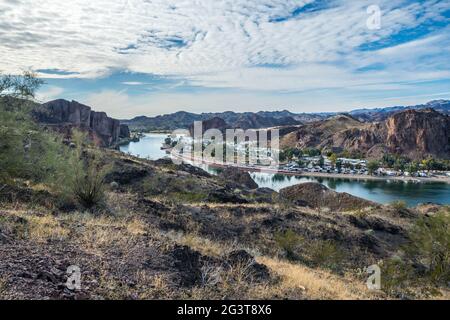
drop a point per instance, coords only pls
(203, 245)
(39, 228)
(3, 288)
(97, 233)
(314, 284)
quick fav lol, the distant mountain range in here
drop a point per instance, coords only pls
(183, 120)
(266, 119)
(380, 114)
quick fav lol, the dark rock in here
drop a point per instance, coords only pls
(63, 115)
(188, 264)
(167, 225)
(238, 176)
(224, 196)
(379, 224)
(124, 174)
(25, 274)
(272, 222)
(257, 271)
(47, 276)
(371, 242)
(316, 195)
(124, 132)
(193, 170)
(12, 193)
(4, 238)
(358, 222)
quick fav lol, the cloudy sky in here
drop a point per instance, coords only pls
(134, 57)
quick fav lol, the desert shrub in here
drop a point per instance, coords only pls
(326, 254)
(86, 181)
(289, 241)
(396, 276)
(399, 205)
(430, 246)
(426, 260)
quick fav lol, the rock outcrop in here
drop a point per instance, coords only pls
(316, 195)
(63, 115)
(416, 134)
(239, 177)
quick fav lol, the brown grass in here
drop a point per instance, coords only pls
(39, 228)
(203, 245)
(314, 283)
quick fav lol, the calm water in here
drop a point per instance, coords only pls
(379, 191)
(148, 147)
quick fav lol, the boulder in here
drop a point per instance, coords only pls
(188, 264)
(225, 196)
(239, 177)
(316, 195)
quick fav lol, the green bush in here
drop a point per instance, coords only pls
(399, 205)
(396, 276)
(289, 241)
(425, 265)
(430, 246)
(326, 254)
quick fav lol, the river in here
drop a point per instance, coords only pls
(381, 191)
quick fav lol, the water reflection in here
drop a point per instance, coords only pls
(382, 191)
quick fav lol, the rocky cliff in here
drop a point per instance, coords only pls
(64, 115)
(412, 133)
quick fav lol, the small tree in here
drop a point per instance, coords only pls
(333, 158)
(23, 86)
(373, 166)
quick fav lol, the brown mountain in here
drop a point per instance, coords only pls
(320, 134)
(412, 133)
(63, 115)
(214, 123)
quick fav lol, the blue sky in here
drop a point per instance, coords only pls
(136, 57)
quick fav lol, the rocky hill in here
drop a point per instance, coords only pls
(174, 232)
(320, 134)
(63, 115)
(412, 133)
(183, 120)
(265, 119)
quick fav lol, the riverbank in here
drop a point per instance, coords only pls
(442, 179)
(366, 177)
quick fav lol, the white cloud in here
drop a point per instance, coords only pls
(220, 43)
(50, 93)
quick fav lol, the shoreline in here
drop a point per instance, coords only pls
(366, 177)
(329, 175)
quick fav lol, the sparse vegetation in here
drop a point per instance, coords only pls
(399, 205)
(326, 254)
(289, 241)
(430, 246)
(3, 288)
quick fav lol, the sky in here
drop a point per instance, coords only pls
(150, 57)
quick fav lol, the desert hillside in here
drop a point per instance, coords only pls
(166, 231)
